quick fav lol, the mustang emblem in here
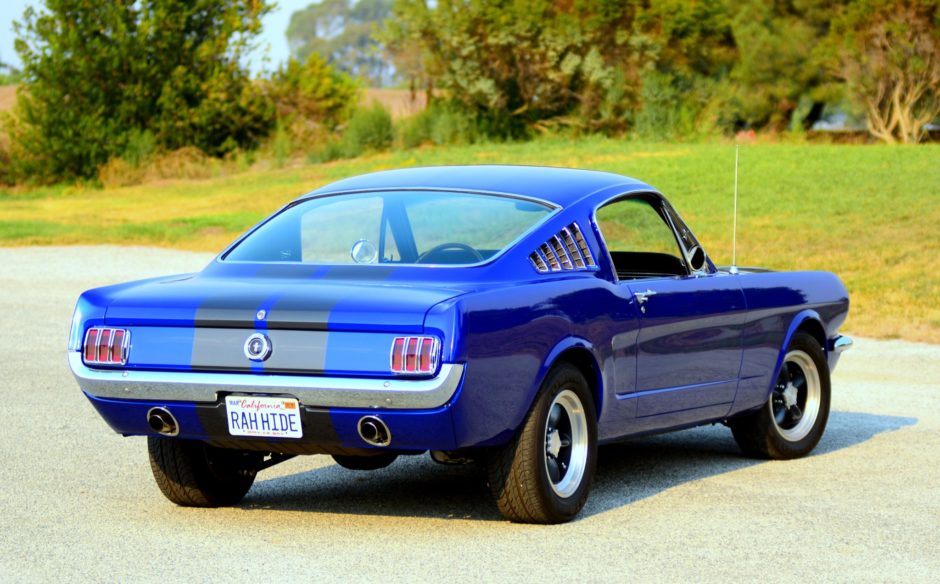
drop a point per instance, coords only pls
(258, 347)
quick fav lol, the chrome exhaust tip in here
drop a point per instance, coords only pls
(374, 431)
(162, 422)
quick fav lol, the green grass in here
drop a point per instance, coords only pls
(868, 213)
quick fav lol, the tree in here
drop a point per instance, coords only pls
(779, 63)
(94, 73)
(524, 64)
(888, 53)
(343, 33)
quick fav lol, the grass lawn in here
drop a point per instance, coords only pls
(871, 214)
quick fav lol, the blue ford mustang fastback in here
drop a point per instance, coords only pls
(513, 317)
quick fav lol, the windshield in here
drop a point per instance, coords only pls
(396, 227)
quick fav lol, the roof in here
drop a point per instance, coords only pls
(560, 186)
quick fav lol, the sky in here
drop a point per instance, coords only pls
(273, 41)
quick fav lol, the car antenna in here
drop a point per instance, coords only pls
(734, 229)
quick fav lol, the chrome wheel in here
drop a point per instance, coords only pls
(566, 443)
(795, 401)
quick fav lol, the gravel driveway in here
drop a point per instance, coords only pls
(78, 502)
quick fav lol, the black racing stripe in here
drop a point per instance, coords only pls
(360, 273)
(231, 307)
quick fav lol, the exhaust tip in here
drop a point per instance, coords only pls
(374, 431)
(162, 422)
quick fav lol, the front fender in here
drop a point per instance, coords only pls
(799, 319)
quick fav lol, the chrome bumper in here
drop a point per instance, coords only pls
(337, 392)
(841, 343)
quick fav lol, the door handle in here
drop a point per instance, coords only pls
(642, 297)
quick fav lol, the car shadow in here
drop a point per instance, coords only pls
(629, 471)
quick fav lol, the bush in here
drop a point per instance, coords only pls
(369, 128)
(441, 123)
(185, 163)
(312, 100)
(95, 71)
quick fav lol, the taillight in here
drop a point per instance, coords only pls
(415, 355)
(106, 346)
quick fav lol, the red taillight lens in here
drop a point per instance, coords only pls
(91, 345)
(106, 346)
(398, 355)
(419, 355)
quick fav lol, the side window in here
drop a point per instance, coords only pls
(640, 241)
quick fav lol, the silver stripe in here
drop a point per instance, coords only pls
(338, 392)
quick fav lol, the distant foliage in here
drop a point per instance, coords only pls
(343, 33)
(9, 75)
(99, 76)
(369, 129)
(312, 100)
(888, 54)
(536, 65)
(442, 123)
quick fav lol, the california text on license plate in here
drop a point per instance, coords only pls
(271, 417)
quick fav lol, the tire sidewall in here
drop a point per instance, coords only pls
(563, 378)
(793, 449)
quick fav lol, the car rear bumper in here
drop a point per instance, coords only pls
(312, 391)
(325, 430)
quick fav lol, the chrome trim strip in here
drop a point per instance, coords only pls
(842, 343)
(537, 262)
(582, 244)
(554, 264)
(338, 392)
(572, 247)
(559, 246)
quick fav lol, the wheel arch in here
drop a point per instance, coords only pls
(807, 321)
(579, 353)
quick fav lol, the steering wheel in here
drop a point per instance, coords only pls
(447, 246)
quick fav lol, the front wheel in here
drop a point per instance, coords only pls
(794, 418)
(193, 474)
(544, 475)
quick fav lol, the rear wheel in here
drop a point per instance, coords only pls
(794, 418)
(193, 474)
(365, 462)
(544, 475)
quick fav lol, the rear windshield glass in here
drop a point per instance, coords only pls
(397, 227)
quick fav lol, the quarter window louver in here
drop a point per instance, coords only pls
(553, 263)
(582, 245)
(559, 250)
(564, 252)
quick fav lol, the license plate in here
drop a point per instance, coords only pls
(269, 417)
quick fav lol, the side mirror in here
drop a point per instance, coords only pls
(697, 259)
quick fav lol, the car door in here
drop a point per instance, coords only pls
(688, 353)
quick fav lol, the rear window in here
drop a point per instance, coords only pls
(396, 227)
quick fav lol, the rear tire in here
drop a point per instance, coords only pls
(794, 418)
(544, 474)
(193, 474)
(365, 462)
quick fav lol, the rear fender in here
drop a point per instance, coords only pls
(558, 353)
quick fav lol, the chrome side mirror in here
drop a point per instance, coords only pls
(696, 259)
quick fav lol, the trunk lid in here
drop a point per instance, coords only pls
(318, 326)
